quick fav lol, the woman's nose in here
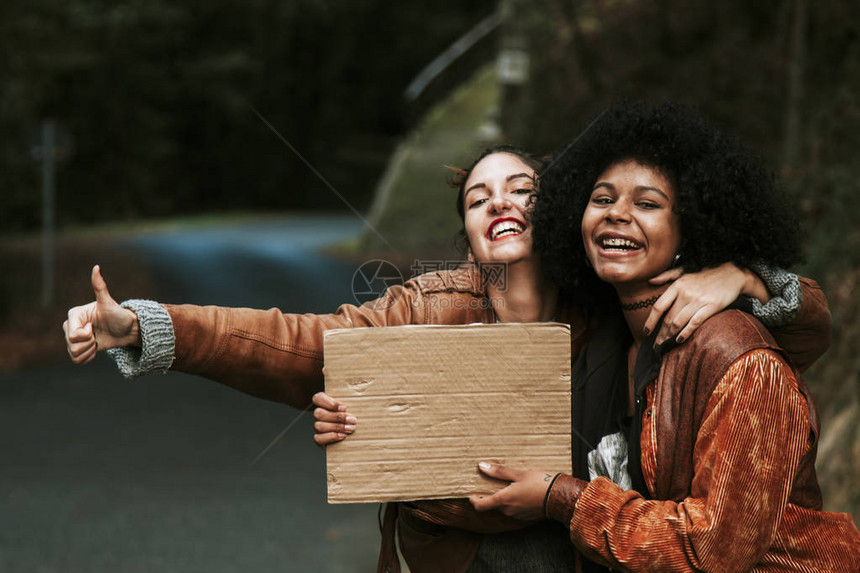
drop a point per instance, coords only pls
(500, 203)
(618, 212)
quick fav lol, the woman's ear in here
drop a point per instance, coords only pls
(677, 260)
(466, 246)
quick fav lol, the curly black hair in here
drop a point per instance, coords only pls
(730, 206)
(461, 241)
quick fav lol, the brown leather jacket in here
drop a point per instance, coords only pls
(729, 438)
(279, 357)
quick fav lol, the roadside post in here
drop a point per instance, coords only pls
(52, 144)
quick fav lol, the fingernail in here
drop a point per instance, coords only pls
(646, 330)
(680, 339)
(348, 428)
(484, 465)
(350, 419)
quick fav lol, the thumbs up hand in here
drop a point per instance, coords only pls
(99, 325)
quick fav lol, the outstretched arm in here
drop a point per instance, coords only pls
(267, 353)
(270, 354)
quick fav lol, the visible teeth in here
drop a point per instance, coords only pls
(618, 243)
(506, 228)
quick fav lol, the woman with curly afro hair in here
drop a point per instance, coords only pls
(704, 453)
(729, 205)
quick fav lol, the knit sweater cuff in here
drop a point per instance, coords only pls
(784, 288)
(157, 341)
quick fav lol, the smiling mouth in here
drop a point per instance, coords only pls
(505, 228)
(618, 244)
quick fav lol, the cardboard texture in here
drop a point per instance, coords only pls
(432, 401)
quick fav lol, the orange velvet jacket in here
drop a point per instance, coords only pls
(729, 438)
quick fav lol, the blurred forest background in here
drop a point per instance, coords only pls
(160, 100)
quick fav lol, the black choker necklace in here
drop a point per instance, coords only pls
(641, 304)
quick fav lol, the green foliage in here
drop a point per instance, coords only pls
(159, 99)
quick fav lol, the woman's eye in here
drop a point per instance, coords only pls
(476, 203)
(648, 205)
(601, 200)
(524, 191)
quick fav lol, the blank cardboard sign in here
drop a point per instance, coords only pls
(432, 401)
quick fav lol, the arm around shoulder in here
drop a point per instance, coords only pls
(808, 336)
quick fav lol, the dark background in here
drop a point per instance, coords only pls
(161, 101)
(158, 97)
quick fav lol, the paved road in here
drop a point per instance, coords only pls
(100, 474)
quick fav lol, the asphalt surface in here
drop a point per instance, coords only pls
(156, 474)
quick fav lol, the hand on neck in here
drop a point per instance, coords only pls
(637, 305)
